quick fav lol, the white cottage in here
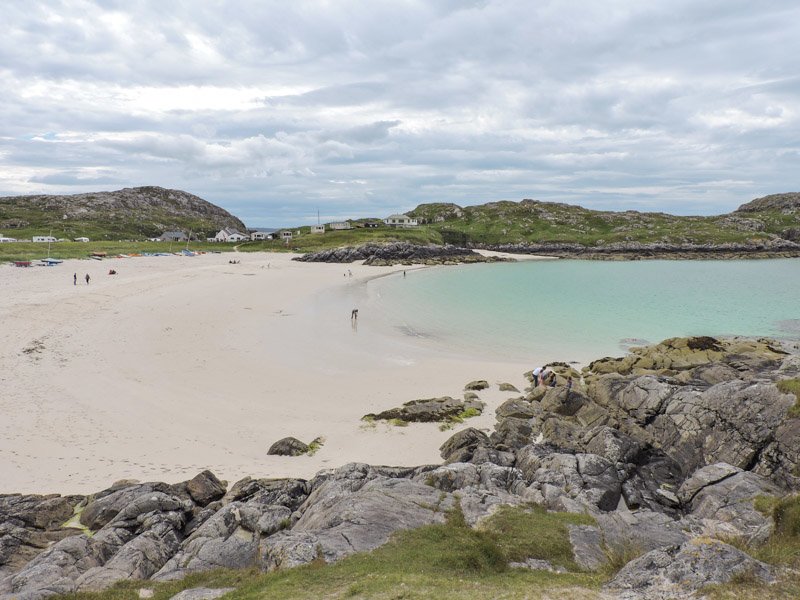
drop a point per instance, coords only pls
(400, 221)
(229, 234)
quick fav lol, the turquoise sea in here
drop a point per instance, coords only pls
(581, 310)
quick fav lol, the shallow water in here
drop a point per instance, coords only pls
(581, 310)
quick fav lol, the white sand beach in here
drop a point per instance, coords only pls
(179, 364)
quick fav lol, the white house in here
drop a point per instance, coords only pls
(81, 239)
(340, 225)
(7, 239)
(286, 235)
(318, 229)
(400, 221)
(229, 234)
(173, 236)
(44, 238)
(259, 235)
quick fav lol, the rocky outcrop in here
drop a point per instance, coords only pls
(774, 247)
(397, 253)
(667, 449)
(679, 571)
(429, 410)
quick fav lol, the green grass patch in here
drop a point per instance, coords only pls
(398, 422)
(447, 561)
(791, 386)
(62, 250)
(533, 532)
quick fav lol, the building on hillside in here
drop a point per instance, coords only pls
(229, 234)
(44, 238)
(339, 225)
(81, 239)
(257, 236)
(286, 235)
(400, 221)
(318, 229)
(7, 239)
(173, 236)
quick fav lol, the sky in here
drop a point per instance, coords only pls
(276, 110)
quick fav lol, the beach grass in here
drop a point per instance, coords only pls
(781, 550)
(448, 561)
(791, 386)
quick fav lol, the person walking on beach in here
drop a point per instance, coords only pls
(74, 279)
(87, 279)
(354, 314)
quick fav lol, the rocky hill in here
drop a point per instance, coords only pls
(138, 212)
(682, 460)
(769, 225)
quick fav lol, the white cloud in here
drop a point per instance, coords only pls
(269, 108)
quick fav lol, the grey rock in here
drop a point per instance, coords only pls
(56, 570)
(679, 571)
(587, 478)
(464, 442)
(730, 422)
(205, 488)
(352, 509)
(428, 410)
(703, 477)
(229, 539)
(623, 533)
(479, 384)
(780, 459)
(288, 446)
(105, 507)
(285, 492)
(725, 507)
(611, 444)
(517, 408)
(512, 433)
(588, 547)
(561, 402)
(535, 564)
(508, 387)
(38, 512)
(202, 593)
(497, 457)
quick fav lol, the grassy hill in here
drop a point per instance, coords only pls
(139, 213)
(531, 221)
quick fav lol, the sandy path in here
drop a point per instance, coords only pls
(179, 364)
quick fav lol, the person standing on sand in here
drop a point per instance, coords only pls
(87, 279)
(536, 372)
(74, 279)
(354, 314)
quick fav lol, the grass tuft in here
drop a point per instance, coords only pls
(791, 386)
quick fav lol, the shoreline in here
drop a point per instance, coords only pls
(180, 364)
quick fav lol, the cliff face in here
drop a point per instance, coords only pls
(134, 211)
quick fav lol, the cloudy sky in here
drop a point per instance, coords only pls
(276, 109)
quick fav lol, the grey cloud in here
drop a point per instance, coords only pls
(679, 106)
